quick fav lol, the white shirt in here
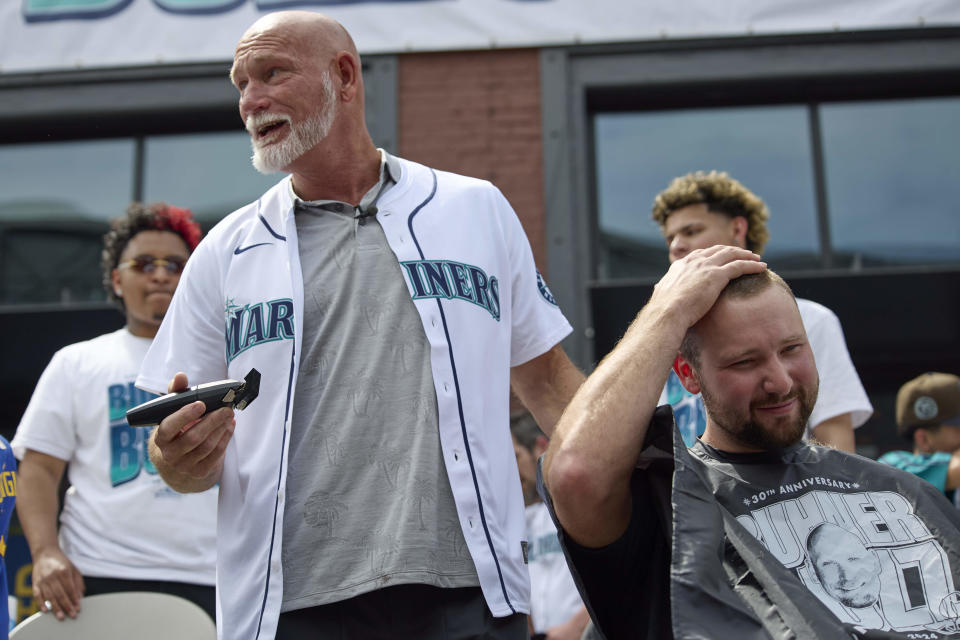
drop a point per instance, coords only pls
(119, 519)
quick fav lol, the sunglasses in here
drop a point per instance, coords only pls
(148, 264)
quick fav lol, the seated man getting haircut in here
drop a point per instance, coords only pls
(752, 532)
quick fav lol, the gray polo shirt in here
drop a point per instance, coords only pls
(368, 501)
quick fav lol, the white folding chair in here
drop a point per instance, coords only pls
(133, 614)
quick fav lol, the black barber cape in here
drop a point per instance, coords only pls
(807, 542)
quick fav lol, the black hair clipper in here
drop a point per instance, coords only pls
(225, 393)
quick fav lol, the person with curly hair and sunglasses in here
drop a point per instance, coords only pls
(121, 527)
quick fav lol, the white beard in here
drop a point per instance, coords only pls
(302, 137)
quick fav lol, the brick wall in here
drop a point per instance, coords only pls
(478, 114)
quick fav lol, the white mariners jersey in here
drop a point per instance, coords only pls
(484, 307)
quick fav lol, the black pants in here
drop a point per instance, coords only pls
(404, 611)
(203, 596)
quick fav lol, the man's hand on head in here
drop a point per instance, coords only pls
(594, 450)
(693, 283)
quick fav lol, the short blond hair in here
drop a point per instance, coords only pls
(745, 286)
(722, 194)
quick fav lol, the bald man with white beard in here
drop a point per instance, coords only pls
(371, 491)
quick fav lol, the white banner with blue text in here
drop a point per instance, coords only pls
(40, 35)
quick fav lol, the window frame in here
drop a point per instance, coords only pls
(137, 103)
(577, 82)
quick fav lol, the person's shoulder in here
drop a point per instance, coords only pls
(93, 345)
(822, 325)
(813, 312)
(469, 198)
(448, 179)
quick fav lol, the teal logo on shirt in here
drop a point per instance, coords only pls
(544, 290)
(454, 281)
(257, 323)
(688, 412)
(128, 445)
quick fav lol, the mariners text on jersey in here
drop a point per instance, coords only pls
(253, 324)
(449, 279)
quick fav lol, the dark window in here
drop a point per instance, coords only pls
(893, 181)
(56, 199)
(638, 154)
(210, 173)
(890, 172)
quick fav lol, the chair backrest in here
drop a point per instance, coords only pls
(134, 614)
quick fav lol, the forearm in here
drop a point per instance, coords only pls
(606, 422)
(37, 508)
(579, 620)
(180, 482)
(600, 436)
(545, 386)
(57, 584)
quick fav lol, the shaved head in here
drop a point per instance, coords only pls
(306, 31)
(309, 25)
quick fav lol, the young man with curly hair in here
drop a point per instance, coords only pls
(703, 209)
(121, 528)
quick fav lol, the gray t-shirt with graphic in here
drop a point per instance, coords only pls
(368, 500)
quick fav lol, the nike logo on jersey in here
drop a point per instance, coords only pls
(454, 280)
(239, 250)
(252, 324)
